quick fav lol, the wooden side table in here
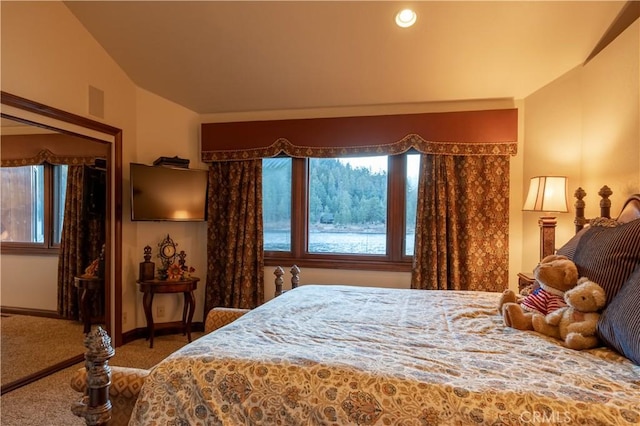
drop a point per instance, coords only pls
(525, 279)
(87, 286)
(185, 286)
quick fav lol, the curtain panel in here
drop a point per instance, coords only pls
(80, 244)
(490, 132)
(235, 255)
(462, 224)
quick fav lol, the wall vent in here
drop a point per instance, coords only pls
(96, 102)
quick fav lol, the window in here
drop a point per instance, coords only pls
(276, 203)
(353, 212)
(32, 209)
(348, 205)
(411, 196)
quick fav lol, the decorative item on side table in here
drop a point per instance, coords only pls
(173, 264)
(167, 255)
(90, 285)
(186, 271)
(547, 194)
(147, 268)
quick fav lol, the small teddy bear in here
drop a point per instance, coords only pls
(575, 324)
(555, 274)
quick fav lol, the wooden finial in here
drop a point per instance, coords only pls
(279, 272)
(295, 276)
(605, 203)
(580, 220)
(95, 406)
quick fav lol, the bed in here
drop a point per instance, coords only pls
(340, 355)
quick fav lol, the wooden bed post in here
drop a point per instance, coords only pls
(580, 220)
(605, 203)
(605, 206)
(279, 272)
(95, 406)
(295, 276)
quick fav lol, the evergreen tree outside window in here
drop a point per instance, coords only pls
(348, 205)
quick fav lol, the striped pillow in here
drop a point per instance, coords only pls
(619, 325)
(609, 256)
(569, 248)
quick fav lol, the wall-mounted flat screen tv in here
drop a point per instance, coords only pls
(168, 193)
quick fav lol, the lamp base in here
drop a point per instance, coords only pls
(547, 235)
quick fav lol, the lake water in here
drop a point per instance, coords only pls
(335, 242)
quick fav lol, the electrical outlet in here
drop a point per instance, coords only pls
(124, 317)
(160, 311)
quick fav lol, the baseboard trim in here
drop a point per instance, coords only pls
(41, 374)
(29, 311)
(174, 327)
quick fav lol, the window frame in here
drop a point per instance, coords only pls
(48, 246)
(394, 260)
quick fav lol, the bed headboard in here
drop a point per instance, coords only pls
(630, 211)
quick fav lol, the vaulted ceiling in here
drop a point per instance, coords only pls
(233, 56)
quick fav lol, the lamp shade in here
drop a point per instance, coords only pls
(547, 194)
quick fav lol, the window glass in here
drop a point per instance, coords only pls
(27, 214)
(276, 203)
(348, 205)
(411, 197)
(59, 198)
(22, 210)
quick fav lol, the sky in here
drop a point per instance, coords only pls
(379, 164)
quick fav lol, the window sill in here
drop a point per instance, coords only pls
(340, 263)
(18, 249)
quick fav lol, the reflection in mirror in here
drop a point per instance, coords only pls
(55, 219)
(42, 172)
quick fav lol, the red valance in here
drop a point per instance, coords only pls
(489, 132)
(52, 148)
(46, 156)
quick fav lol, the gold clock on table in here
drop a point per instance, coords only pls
(167, 252)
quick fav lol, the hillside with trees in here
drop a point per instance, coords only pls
(339, 193)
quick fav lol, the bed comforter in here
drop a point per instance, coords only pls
(343, 355)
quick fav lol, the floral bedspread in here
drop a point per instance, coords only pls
(341, 355)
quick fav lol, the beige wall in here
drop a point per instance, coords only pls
(585, 125)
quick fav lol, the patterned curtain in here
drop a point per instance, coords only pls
(462, 223)
(235, 255)
(80, 243)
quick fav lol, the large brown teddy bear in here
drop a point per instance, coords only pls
(555, 274)
(576, 323)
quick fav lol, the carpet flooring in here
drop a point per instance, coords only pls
(47, 402)
(30, 344)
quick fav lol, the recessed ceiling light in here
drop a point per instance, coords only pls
(406, 18)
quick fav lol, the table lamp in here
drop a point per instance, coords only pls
(547, 194)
